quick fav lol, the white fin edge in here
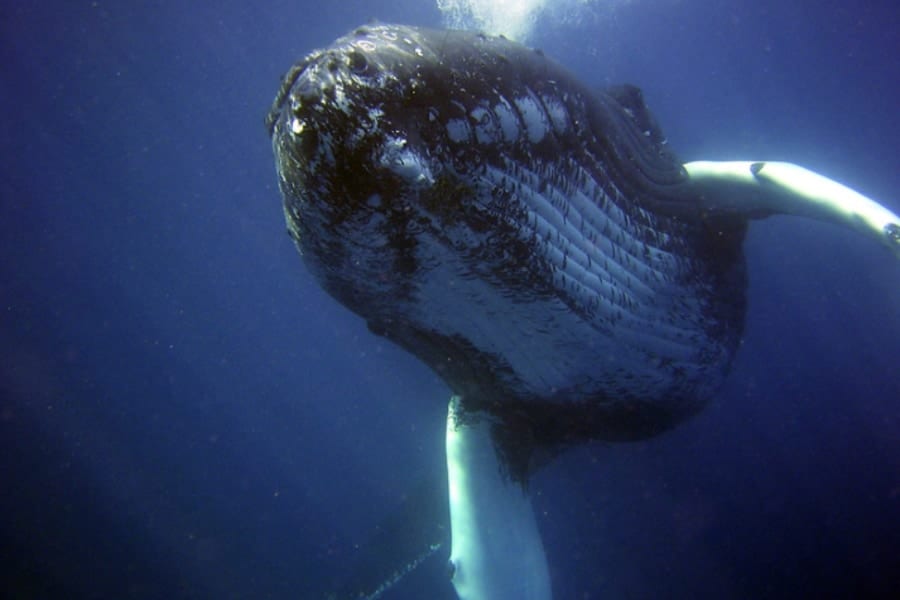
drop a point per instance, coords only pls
(780, 187)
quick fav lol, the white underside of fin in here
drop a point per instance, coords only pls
(779, 187)
(497, 552)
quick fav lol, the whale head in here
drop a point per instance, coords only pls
(356, 166)
(372, 142)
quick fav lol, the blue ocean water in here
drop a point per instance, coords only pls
(184, 414)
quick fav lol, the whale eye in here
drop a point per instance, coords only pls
(358, 63)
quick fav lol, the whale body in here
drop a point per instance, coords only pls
(536, 243)
(442, 171)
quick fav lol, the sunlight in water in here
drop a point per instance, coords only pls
(513, 18)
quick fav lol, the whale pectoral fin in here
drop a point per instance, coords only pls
(761, 188)
(496, 546)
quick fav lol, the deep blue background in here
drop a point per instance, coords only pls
(183, 414)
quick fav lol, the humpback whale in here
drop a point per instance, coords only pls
(534, 241)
